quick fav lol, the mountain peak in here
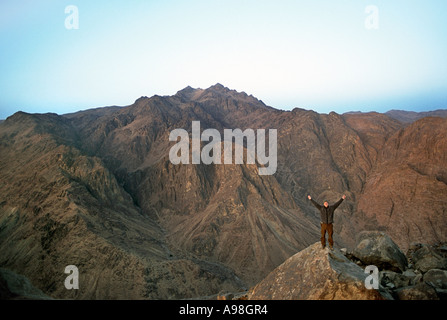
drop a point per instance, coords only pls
(219, 87)
(215, 91)
(188, 91)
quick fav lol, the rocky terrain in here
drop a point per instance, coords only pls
(96, 189)
(315, 274)
(323, 274)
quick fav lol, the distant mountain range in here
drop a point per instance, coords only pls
(96, 189)
(410, 116)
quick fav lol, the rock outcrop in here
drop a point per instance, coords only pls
(316, 274)
(419, 275)
(426, 257)
(323, 274)
(377, 248)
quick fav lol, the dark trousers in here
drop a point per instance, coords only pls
(330, 231)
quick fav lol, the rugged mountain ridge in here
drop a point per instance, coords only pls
(62, 207)
(101, 179)
(411, 116)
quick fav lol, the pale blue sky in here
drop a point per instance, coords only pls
(313, 54)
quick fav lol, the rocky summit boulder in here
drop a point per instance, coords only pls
(316, 274)
(420, 291)
(427, 257)
(437, 279)
(377, 248)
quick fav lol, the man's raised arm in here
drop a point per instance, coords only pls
(314, 203)
(339, 202)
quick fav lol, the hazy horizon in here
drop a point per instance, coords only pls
(318, 55)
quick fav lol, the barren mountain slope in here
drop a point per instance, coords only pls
(97, 189)
(59, 207)
(406, 192)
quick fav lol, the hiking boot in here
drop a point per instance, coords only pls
(331, 247)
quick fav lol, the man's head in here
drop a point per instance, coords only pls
(326, 204)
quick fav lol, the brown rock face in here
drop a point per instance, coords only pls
(96, 189)
(405, 191)
(315, 274)
(62, 207)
